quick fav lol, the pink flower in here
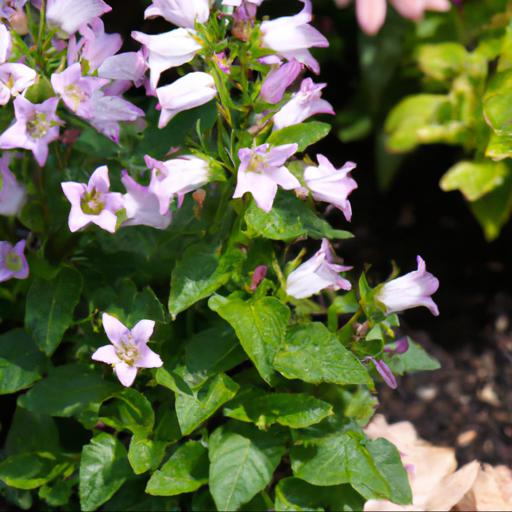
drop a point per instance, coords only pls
(75, 90)
(10, 8)
(238, 3)
(5, 43)
(190, 91)
(130, 66)
(13, 263)
(70, 15)
(305, 103)
(36, 126)
(331, 185)
(142, 206)
(176, 177)
(371, 14)
(93, 203)
(12, 194)
(129, 349)
(168, 50)
(257, 276)
(262, 170)
(409, 291)
(183, 13)
(278, 80)
(317, 274)
(15, 78)
(292, 36)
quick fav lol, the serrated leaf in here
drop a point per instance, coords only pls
(242, 462)
(185, 471)
(104, 468)
(260, 326)
(290, 218)
(302, 134)
(145, 454)
(50, 307)
(294, 410)
(200, 272)
(313, 354)
(21, 362)
(194, 410)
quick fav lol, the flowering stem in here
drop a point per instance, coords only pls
(42, 26)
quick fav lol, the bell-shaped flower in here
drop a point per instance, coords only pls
(292, 36)
(331, 185)
(15, 78)
(183, 13)
(409, 291)
(303, 104)
(176, 177)
(278, 80)
(317, 274)
(13, 263)
(76, 90)
(142, 206)
(190, 91)
(128, 351)
(168, 50)
(12, 194)
(130, 66)
(93, 203)
(69, 15)
(384, 371)
(36, 126)
(262, 170)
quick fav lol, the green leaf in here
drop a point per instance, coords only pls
(128, 410)
(67, 391)
(31, 470)
(303, 134)
(442, 61)
(313, 354)
(103, 470)
(167, 427)
(201, 272)
(341, 456)
(260, 326)
(474, 179)
(416, 359)
(290, 218)
(194, 410)
(146, 306)
(497, 103)
(21, 362)
(58, 493)
(359, 405)
(290, 410)
(50, 307)
(293, 494)
(242, 462)
(145, 454)
(185, 471)
(499, 147)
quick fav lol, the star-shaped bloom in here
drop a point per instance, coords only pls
(129, 349)
(13, 263)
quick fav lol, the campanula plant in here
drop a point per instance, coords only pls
(179, 328)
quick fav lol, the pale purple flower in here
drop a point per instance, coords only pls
(222, 62)
(238, 3)
(278, 80)
(36, 126)
(13, 263)
(384, 371)
(292, 36)
(12, 194)
(183, 13)
(108, 111)
(317, 274)
(190, 91)
(168, 50)
(70, 15)
(401, 346)
(15, 79)
(5, 43)
(130, 66)
(129, 349)
(303, 104)
(331, 185)
(76, 90)
(93, 203)
(176, 177)
(257, 276)
(142, 206)
(10, 8)
(262, 170)
(409, 291)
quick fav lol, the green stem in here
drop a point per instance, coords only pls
(42, 27)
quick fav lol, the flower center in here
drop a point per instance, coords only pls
(38, 126)
(75, 94)
(13, 262)
(257, 163)
(92, 202)
(127, 350)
